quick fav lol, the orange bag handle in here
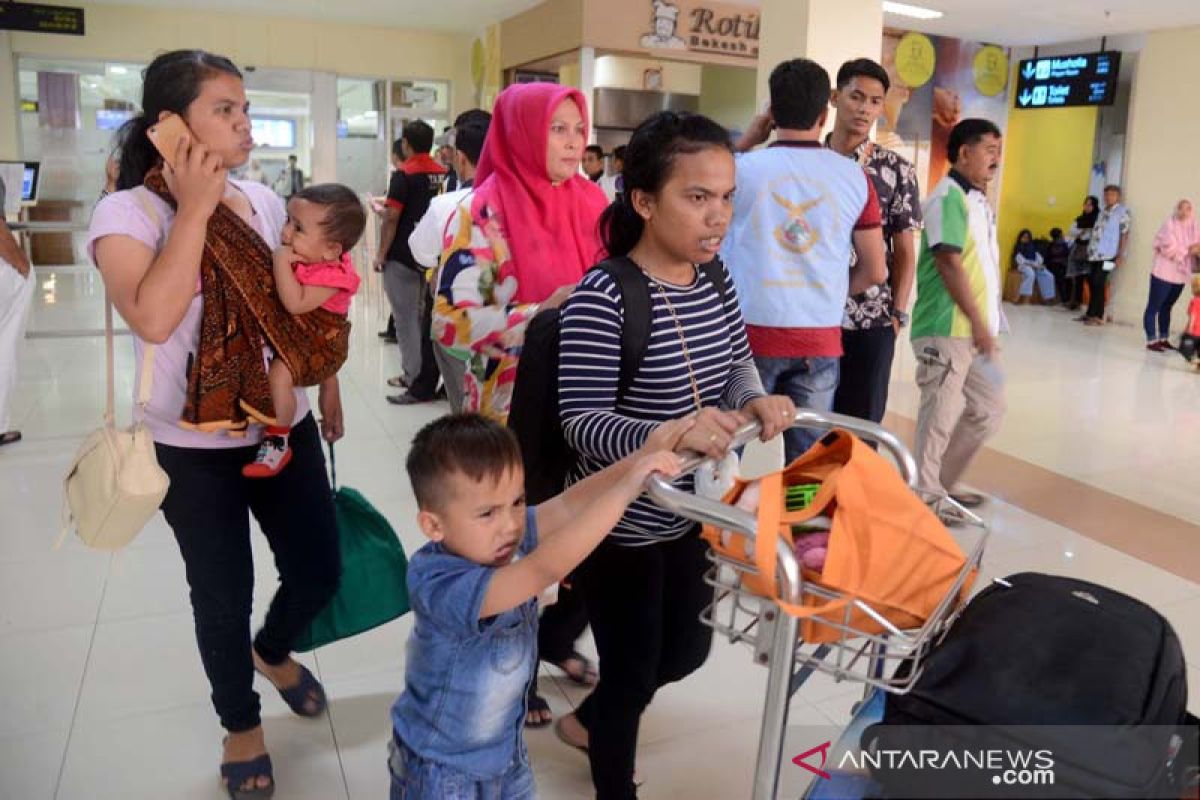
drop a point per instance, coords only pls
(766, 542)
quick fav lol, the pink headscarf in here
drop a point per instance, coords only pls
(552, 231)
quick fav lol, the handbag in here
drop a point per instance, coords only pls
(115, 485)
(374, 585)
(885, 547)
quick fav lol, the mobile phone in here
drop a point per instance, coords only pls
(165, 135)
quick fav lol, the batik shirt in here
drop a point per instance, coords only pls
(895, 183)
(476, 305)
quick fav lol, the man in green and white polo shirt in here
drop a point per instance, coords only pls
(957, 315)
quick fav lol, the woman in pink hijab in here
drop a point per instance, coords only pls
(1176, 247)
(516, 246)
(521, 241)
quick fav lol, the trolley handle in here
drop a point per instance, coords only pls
(725, 516)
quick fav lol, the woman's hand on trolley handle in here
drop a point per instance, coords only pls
(712, 433)
(776, 413)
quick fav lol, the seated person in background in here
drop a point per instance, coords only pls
(1058, 253)
(1028, 261)
(313, 275)
(457, 727)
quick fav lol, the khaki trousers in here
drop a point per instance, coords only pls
(962, 406)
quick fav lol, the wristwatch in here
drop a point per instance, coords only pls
(900, 317)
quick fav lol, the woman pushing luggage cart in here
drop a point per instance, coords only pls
(868, 608)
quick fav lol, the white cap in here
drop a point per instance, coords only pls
(664, 10)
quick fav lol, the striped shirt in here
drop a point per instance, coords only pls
(602, 430)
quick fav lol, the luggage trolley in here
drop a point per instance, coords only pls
(743, 616)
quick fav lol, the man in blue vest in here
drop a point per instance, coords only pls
(802, 215)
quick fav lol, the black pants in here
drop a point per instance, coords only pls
(644, 604)
(562, 623)
(1097, 281)
(208, 507)
(426, 384)
(866, 366)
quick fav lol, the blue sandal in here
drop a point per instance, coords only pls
(308, 690)
(237, 774)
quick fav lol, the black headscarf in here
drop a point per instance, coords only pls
(1088, 218)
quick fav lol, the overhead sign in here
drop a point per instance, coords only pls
(36, 18)
(1087, 79)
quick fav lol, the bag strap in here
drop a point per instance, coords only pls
(332, 469)
(766, 543)
(145, 376)
(715, 272)
(635, 325)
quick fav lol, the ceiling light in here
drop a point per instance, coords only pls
(905, 10)
(116, 69)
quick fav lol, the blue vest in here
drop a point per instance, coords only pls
(790, 244)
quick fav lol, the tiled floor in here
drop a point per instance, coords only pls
(101, 692)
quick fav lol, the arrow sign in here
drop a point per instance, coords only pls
(1025, 97)
(1028, 71)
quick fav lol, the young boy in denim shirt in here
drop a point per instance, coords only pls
(471, 656)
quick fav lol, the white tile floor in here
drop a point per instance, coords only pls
(101, 691)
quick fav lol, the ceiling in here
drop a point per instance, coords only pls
(1007, 22)
(1033, 22)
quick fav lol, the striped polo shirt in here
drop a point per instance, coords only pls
(957, 219)
(602, 429)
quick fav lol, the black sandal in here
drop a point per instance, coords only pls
(298, 697)
(536, 704)
(236, 774)
(588, 675)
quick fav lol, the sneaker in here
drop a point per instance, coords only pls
(1166, 345)
(1155, 347)
(273, 455)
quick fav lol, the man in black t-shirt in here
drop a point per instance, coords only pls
(416, 179)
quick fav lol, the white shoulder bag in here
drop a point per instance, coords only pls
(115, 485)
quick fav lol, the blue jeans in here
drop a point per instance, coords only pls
(414, 778)
(810, 382)
(1157, 319)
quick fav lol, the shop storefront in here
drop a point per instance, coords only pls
(634, 57)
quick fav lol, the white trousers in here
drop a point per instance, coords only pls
(16, 298)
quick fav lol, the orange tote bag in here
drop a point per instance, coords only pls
(886, 547)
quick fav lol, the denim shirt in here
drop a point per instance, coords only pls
(465, 679)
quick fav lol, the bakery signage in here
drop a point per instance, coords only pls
(700, 27)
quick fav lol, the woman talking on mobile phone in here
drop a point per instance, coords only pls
(162, 241)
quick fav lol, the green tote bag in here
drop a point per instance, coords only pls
(374, 584)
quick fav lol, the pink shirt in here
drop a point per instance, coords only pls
(142, 215)
(1171, 260)
(339, 275)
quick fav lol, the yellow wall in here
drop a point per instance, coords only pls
(1163, 118)
(127, 33)
(1047, 164)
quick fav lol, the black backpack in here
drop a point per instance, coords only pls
(534, 415)
(1031, 661)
